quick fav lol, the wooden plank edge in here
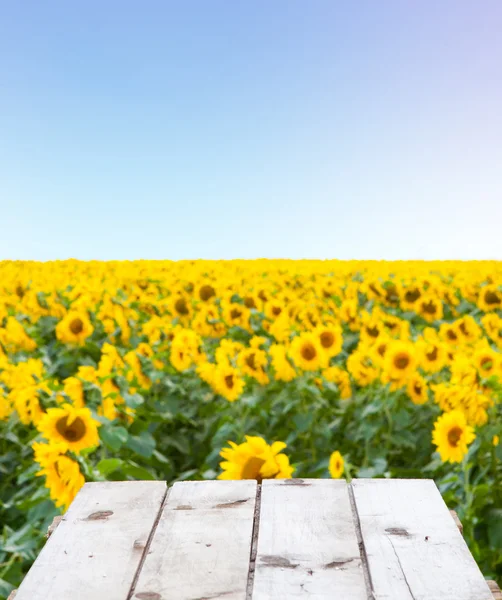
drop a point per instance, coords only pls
(458, 522)
(494, 589)
(53, 526)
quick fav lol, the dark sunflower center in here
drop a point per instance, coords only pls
(181, 307)
(492, 298)
(249, 302)
(412, 295)
(401, 360)
(381, 349)
(206, 292)
(276, 311)
(229, 381)
(250, 361)
(373, 331)
(77, 326)
(451, 335)
(308, 351)
(463, 329)
(143, 284)
(20, 291)
(374, 289)
(251, 469)
(429, 307)
(454, 436)
(486, 363)
(73, 432)
(327, 339)
(432, 356)
(417, 386)
(235, 313)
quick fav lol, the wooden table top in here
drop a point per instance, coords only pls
(236, 540)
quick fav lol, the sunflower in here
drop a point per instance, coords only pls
(452, 436)
(330, 338)
(136, 370)
(432, 355)
(371, 328)
(362, 366)
(468, 329)
(253, 362)
(336, 465)
(5, 406)
(487, 361)
(493, 327)
(236, 315)
(206, 291)
(274, 308)
(74, 328)
(255, 459)
(400, 361)
(26, 402)
(430, 308)
(417, 389)
(307, 353)
(349, 313)
(341, 378)
(73, 426)
(15, 338)
(227, 382)
(410, 295)
(180, 307)
(62, 474)
(284, 371)
(74, 389)
(449, 334)
(490, 298)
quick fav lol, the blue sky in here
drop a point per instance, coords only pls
(225, 129)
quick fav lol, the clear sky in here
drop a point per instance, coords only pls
(242, 129)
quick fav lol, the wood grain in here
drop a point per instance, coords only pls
(94, 552)
(202, 544)
(307, 544)
(414, 548)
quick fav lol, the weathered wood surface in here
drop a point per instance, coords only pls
(96, 549)
(202, 544)
(495, 590)
(413, 547)
(234, 540)
(307, 543)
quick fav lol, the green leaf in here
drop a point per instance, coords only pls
(113, 437)
(138, 472)
(495, 528)
(5, 588)
(133, 400)
(142, 444)
(109, 465)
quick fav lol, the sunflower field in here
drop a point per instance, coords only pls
(248, 369)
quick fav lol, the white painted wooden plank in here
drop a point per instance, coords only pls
(202, 544)
(413, 547)
(307, 544)
(96, 549)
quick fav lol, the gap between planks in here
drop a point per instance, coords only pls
(254, 544)
(148, 544)
(362, 550)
